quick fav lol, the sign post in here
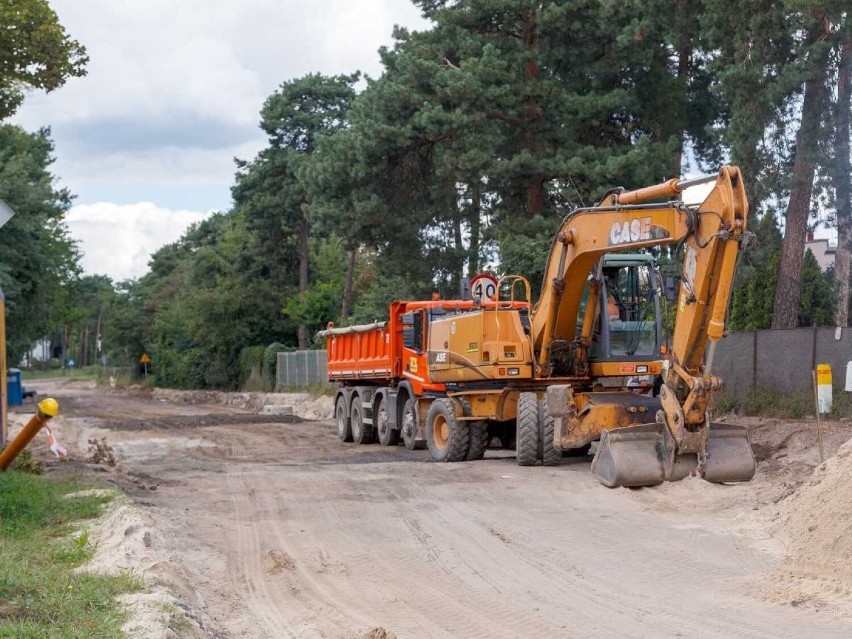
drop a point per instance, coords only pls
(822, 394)
(145, 360)
(6, 214)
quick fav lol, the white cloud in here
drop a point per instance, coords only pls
(118, 240)
(173, 94)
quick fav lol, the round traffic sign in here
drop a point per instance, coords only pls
(484, 287)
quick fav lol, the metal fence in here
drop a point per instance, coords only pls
(300, 369)
(781, 360)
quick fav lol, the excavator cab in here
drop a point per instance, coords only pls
(628, 323)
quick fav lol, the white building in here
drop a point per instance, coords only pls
(822, 250)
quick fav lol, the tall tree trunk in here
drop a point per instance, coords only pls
(475, 222)
(532, 110)
(97, 349)
(303, 275)
(459, 252)
(684, 64)
(842, 177)
(348, 286)
(788, 292)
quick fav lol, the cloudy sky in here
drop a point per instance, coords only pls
(147, 139)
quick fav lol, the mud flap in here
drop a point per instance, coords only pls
(643, 455)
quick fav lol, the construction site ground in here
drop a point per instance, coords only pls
(251, 525)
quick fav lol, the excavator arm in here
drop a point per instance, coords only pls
(708, 238)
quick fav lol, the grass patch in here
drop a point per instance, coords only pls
(771, 403)
(72, 374)
(42, 596)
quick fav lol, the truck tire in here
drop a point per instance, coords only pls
(550, 455)
(478, 440)
(409, 427)
(361, 432)
(527, 438)
(446, 437)
(387, 436)
(341, 417)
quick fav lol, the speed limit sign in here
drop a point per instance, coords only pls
(484, 287)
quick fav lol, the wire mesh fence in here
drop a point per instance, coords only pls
(781, 360)
(300, 369)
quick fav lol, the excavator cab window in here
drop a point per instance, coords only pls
(631, 311)
(627, 320)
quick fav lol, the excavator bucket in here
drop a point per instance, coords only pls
(643, 455)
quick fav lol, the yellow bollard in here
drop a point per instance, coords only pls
(47, 408)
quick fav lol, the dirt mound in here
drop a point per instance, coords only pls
(816, 520)
(304, 405)
(815, 523)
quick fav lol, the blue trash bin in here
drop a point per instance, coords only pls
(14, 388)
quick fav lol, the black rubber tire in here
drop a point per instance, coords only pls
(361, 432)
(527, 438)
(386, 435)
(550, 455)
(341, 417)
(478, 439)
(408, 427)
(449, 446)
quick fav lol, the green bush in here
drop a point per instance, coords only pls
(251, 364)
(270, 362)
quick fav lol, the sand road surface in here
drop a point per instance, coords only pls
(265, 529)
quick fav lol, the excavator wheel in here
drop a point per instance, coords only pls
(341, 417)
(550, 455)
(387, 436)
(409, 427)
(446, 437)
(528, 429)
(361, 433)
(479, 439)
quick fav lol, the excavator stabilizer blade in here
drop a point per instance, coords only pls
(640, 456)
(729, 454)
(630, 456)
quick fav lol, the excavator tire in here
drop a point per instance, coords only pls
(550, 456)
(341, 417)
(446, 437)
(409, 427)
(479, 439)
(361, 433)
(387, 436)
(528, 429)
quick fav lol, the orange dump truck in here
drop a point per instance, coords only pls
(392, 375)
(381, 370)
